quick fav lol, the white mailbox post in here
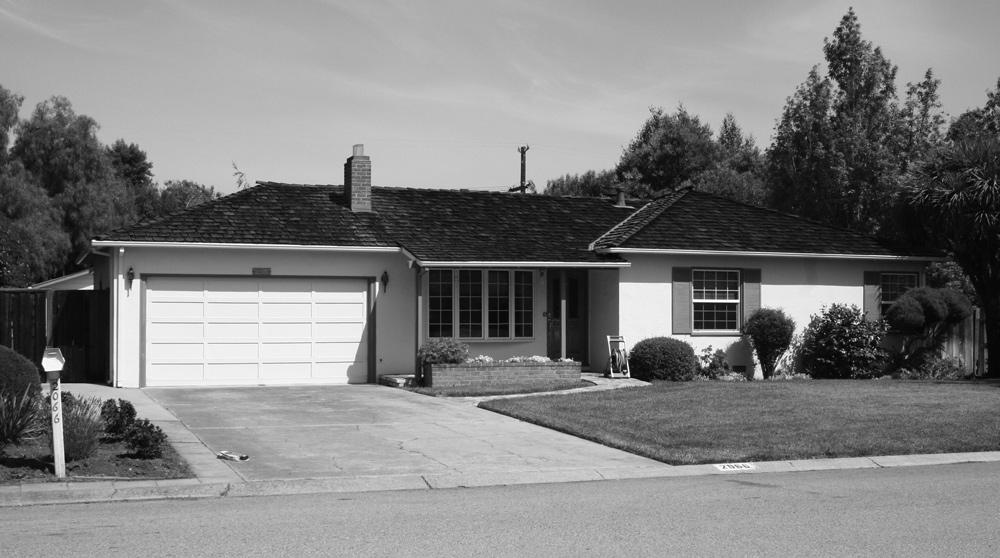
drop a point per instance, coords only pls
(52, 363)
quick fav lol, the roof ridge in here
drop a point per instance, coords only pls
(535, 195)
(642, 220)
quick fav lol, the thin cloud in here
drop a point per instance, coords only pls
(34, 27)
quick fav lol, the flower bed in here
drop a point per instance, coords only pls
(482, 371)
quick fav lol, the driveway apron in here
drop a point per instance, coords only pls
(310, 432)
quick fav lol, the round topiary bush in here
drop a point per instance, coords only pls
(18, 374)
(906, 315)
(770, 332)
(663, 358)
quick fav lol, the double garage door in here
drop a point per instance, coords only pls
(219, 331)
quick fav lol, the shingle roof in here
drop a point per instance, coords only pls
(695, 220)
(477, 226)
(449, 225)
(266, 214)
(434, 225)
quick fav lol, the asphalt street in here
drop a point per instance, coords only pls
(909, 511)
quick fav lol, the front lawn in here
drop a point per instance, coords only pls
(719, 422)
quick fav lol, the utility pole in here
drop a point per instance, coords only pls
(523, 150)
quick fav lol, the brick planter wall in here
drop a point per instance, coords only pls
(498, 373)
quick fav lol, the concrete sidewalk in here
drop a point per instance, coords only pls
(218, 478)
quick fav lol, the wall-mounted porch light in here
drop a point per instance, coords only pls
(385, 281)
(130, 275)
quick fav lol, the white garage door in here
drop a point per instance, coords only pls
(218, 331)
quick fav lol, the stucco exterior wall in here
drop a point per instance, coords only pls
(603, 315)
(395, 308)
(798, 286)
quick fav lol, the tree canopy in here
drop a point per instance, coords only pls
(843, 142)
(673, 151)
(955, 193)
(60, 186)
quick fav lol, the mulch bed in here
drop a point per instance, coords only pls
(31, 461)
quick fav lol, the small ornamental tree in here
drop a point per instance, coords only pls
(769, 332)
(924, 317)
(840, 343)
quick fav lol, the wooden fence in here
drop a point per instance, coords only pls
(22, 322)
(80, 328)
(968, 342)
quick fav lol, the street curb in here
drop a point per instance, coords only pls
(28, 494)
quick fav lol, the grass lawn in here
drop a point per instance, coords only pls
(506, 389)
(32, 462)
(719, 422)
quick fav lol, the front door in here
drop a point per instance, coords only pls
(567, 288)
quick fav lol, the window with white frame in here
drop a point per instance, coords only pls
(485, 304)
(440, 297)
(893, 286)
(715, 300)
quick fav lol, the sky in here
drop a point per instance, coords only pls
(442, 92)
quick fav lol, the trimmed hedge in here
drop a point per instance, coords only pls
(662, 358)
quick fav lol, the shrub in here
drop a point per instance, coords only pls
(840, 343)
(713, 363)
(18, 373)
(937, 368)
(81, 426)
(442, 351)
(145, 439)
(769, 332)
(21, 417)
(662, 358)
(906, 315)
(118, 416)
(924, 317)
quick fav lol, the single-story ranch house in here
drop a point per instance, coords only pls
(285, 284)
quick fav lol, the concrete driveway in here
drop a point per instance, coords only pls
(316, 432)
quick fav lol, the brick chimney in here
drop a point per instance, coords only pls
(358, 180)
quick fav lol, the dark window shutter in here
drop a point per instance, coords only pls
(751, 292)
(873, 295)
(681, 305)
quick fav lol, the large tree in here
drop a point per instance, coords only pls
(10, 107)
(33, 245)
(677, 151)
(592, 184)
(59, 147)
(956, 194)
(737, 172)
(178, 195)
(669, 150)
(132, 166)
(842, 142)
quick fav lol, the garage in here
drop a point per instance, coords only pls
(255, 330)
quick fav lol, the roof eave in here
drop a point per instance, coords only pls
(242, 246)
(534, 264)
(681, 252)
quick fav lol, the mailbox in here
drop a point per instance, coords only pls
(53, 362)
